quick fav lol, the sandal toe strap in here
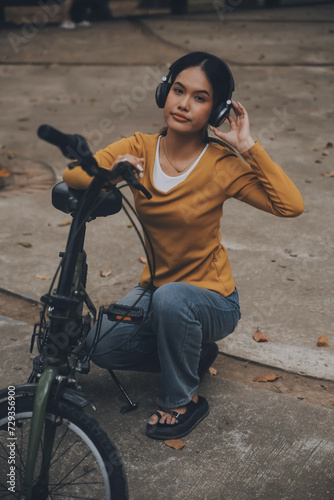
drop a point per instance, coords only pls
(165, 408)
(156, 412)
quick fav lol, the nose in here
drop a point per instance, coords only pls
(184, 103)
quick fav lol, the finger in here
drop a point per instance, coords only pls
(231, 119)
(130, 158)
(134, 161)
(237, 109)
(218, 133)
(140, 170)
(242, 109)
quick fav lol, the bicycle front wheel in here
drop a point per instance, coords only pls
(85, 464)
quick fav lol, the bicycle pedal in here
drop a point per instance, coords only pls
(126, 314)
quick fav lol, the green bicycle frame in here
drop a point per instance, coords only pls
(36, 430)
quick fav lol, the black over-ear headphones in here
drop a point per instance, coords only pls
(221, 110)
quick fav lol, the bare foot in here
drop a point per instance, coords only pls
(166, 418)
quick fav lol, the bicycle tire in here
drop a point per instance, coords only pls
(85, 463)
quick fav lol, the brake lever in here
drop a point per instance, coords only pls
(125, 170)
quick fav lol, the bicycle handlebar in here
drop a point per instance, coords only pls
(75, 147)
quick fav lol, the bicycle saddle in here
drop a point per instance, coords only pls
(66, 200)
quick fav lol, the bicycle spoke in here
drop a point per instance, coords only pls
(75, 482)
(5, 489)
(64, 452)
(58, 445)
(22, 469)
(61, 483)
(5, 456)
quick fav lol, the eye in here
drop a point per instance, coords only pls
(199, 98)
(177, 90)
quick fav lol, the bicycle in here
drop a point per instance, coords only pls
(49, 446)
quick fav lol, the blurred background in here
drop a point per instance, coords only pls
(13, 10)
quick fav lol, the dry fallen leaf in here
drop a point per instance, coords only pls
(260, 337)
(328, 174)
(66, 223)
(177, 444)
(42, 277)
(212, 371)
(143, 260)
(104, 274)
(323, 341)
(271, 377)
(4, 172)
(25, 244)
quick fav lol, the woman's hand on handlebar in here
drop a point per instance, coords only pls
(137, 163)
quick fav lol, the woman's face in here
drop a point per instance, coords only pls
(189, 102)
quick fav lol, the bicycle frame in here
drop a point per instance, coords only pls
(65, 307)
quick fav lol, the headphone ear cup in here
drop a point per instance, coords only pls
(219, 115)
(161, 94)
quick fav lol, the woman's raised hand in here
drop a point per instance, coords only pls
(239, 134)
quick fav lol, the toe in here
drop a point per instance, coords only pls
(153, 420)
(164, 418)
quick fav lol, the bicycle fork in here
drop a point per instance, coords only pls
(35, 435)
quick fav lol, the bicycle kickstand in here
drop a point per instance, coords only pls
(131, 406)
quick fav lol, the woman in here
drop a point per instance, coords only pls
(193, 299)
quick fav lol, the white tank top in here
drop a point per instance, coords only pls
(164, 182)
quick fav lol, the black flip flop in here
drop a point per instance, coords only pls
(186, 422)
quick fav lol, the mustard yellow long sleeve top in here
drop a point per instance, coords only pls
(184, 223)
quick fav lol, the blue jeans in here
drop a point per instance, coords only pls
(182, 317)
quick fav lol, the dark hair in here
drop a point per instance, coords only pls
(218, 74)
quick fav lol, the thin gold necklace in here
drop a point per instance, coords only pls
(177, 169)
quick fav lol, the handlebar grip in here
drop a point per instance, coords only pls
(73, 146)
(52, 135)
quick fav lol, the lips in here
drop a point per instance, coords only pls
(180, 118)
